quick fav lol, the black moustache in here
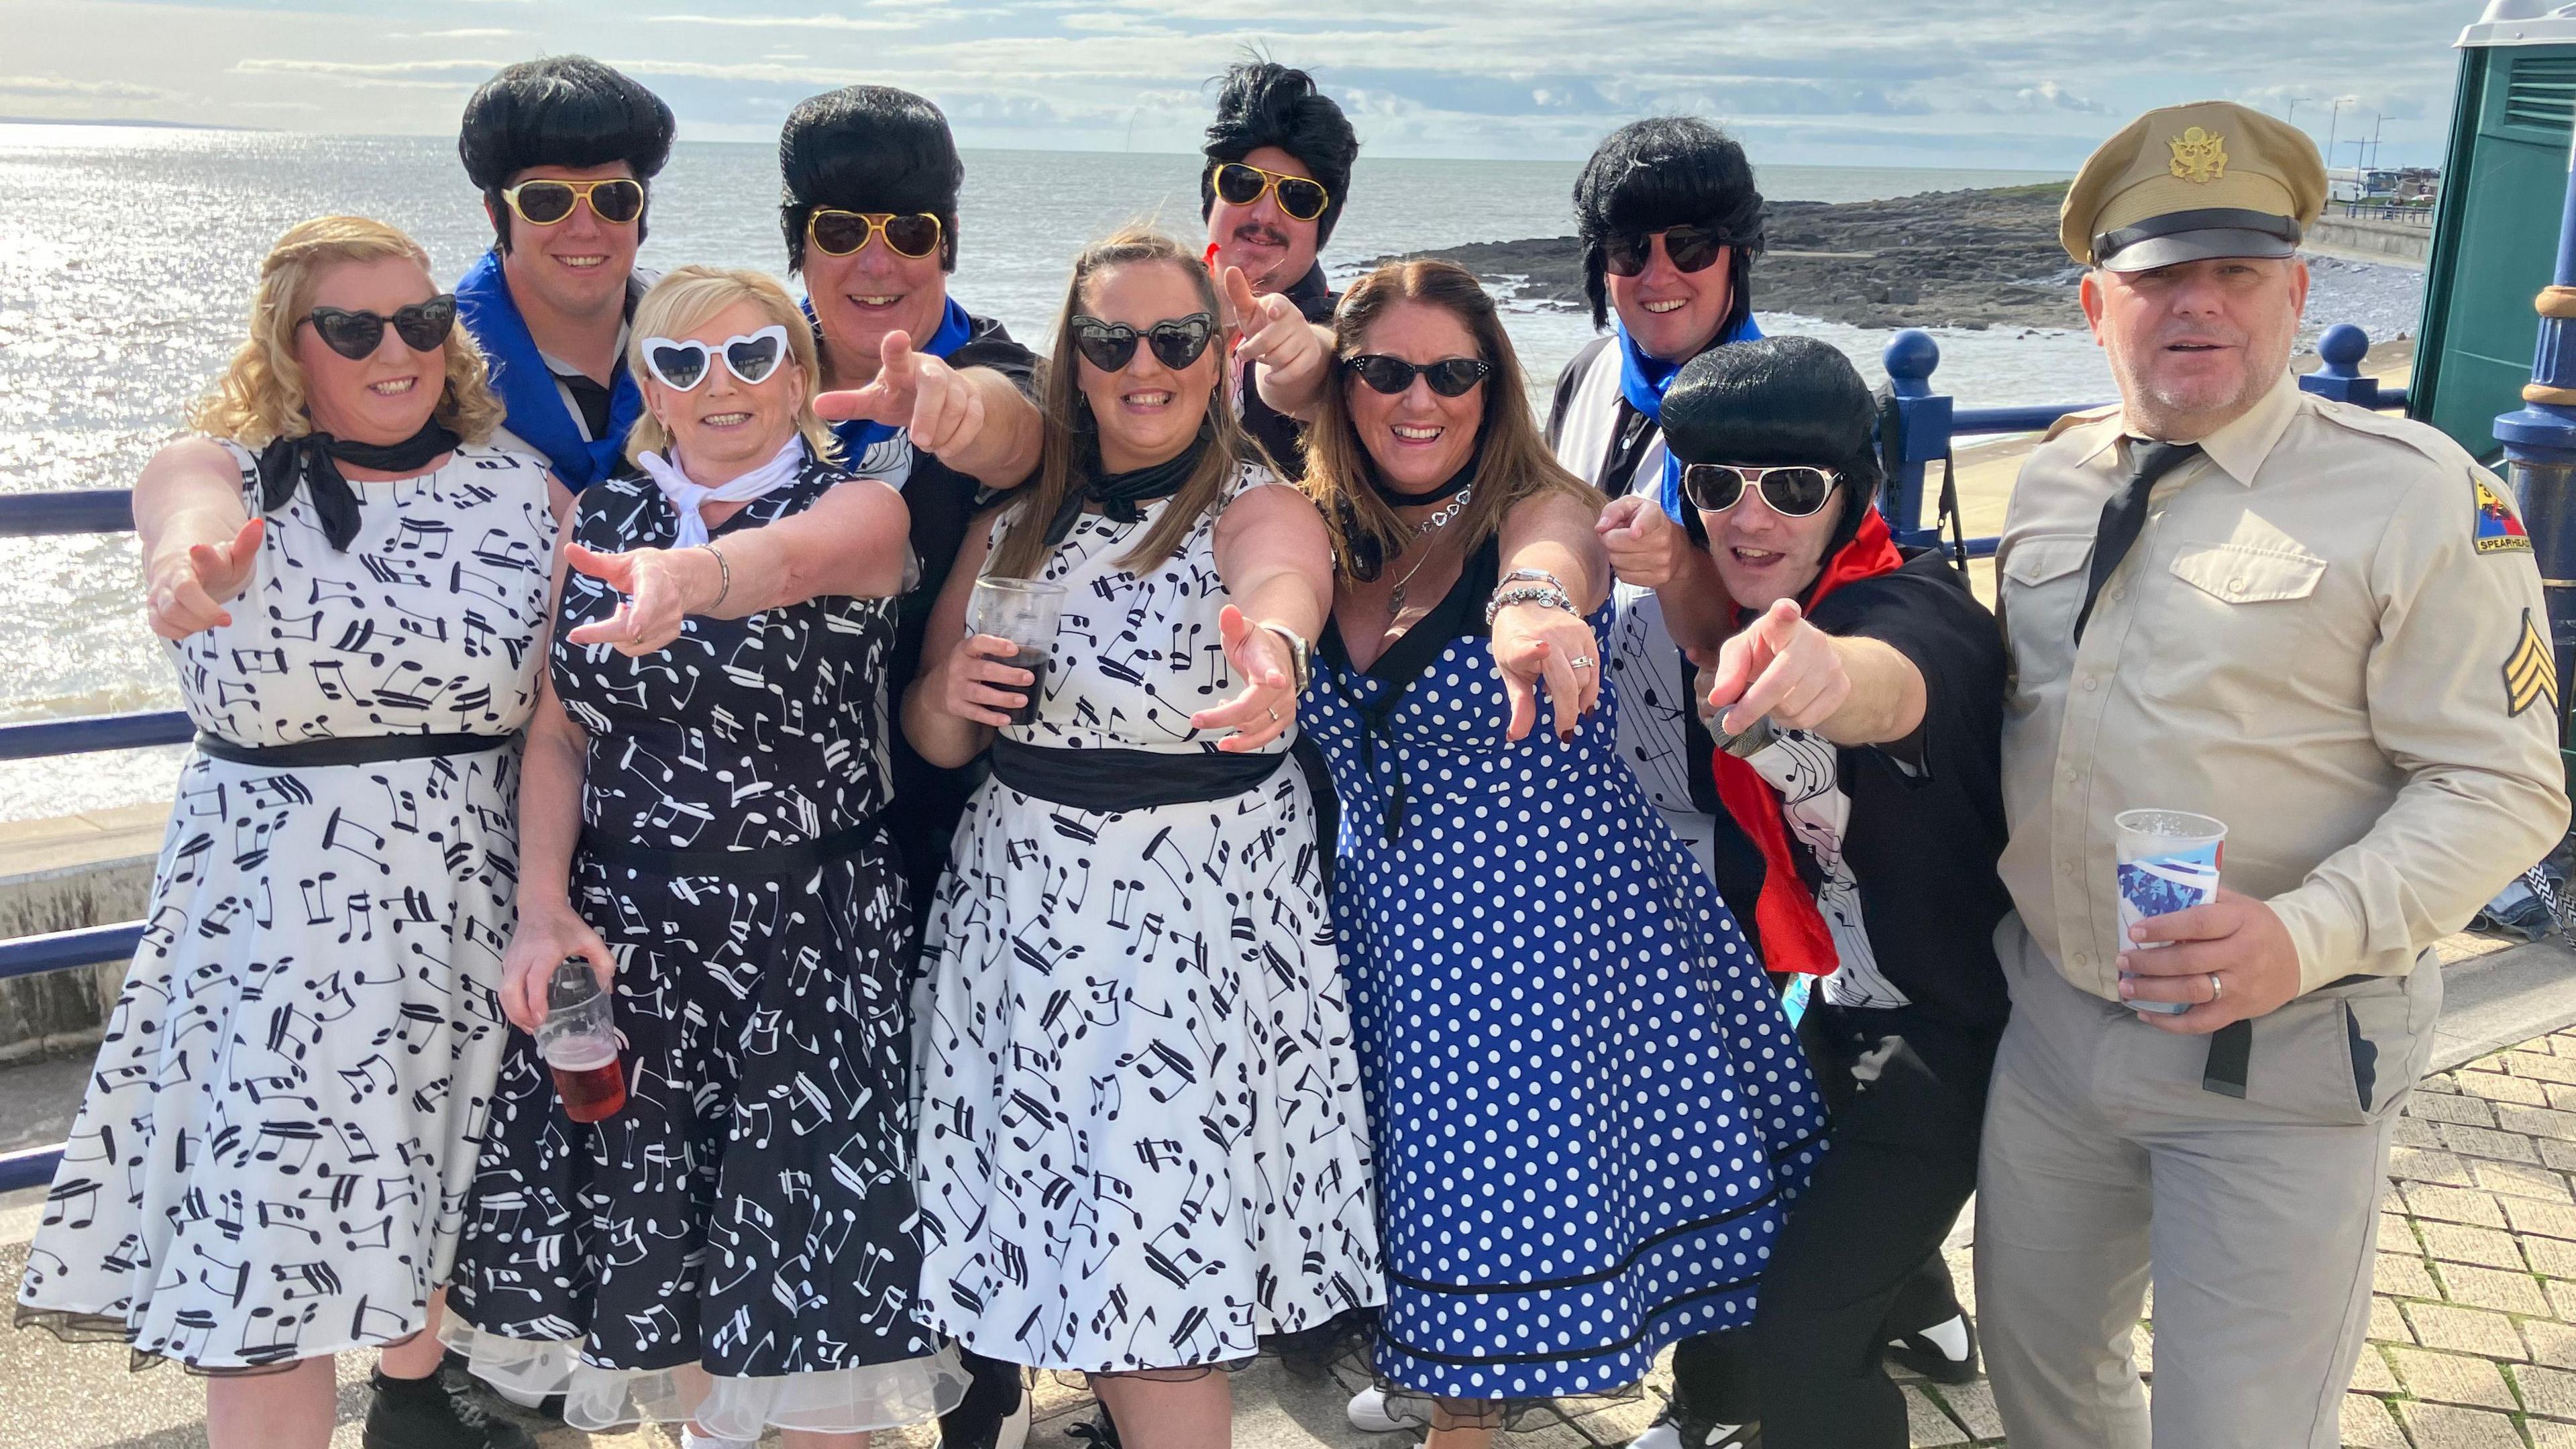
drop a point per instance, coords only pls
(1255, 231)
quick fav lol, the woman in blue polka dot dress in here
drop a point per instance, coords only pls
(1590, 1114)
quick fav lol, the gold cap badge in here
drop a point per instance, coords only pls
(2199, 156)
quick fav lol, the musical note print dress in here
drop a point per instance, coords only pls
(1141, 1139)
(1591, 1115)
(273, 1156)
(750, 1209)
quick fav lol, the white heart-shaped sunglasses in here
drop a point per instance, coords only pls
(683, 365)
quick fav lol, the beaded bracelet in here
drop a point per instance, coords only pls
(1554, 598)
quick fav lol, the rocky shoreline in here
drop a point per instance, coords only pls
(1972, 259)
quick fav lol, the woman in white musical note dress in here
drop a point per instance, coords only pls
(273, 1158)
(1142, 1144)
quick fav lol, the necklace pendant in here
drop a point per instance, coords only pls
(1395, 602)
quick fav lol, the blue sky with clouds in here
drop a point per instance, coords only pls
(1988, 83)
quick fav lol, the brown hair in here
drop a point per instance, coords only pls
(1024, 548)
(260, 395)
(1512, 460)
(686, 299)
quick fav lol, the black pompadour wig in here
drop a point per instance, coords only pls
(1777, 402)
(1663, 172)
(562, 110)
(868, 148)
(1263, 103)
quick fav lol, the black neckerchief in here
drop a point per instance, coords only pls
(1120, 494)
(314, 459)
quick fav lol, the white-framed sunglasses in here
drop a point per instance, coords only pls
(681, 366)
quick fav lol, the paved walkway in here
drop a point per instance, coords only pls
(2473, 1327)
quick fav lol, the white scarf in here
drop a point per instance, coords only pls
(687, 498)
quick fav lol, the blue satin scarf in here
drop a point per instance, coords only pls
(1642, 381)
(857, 435)
(527, 386)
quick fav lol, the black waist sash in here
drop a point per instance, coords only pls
(799, 858)
(1105, 781)
(361, 750)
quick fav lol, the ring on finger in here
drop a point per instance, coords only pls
(1274, 716)
(1581, 661)
(2216, 989)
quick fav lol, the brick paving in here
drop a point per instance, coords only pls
(2472, 1324)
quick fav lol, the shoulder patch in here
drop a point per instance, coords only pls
(2079, 419)
(2531, 671)
(2496, 530)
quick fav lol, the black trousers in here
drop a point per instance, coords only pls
(1859, 1262)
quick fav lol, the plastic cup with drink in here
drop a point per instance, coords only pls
(2167, 861)
(1024, 611)
(578, 1040)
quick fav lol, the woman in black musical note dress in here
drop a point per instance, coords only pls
(735, 1245)
(273, 1158)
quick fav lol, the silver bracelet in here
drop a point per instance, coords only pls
(1554, 598)
(1538, 576)
(724, 578)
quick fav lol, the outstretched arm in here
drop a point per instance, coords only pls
(973, 419)
(1277, 563)
(1552, 534)
(199, 540)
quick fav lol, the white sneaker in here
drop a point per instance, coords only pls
(1373, 1412)
(690, 1438)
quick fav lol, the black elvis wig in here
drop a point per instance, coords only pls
(868, 148)
(563, 110)
(1263, 103)
(1775, 402)
(1659, 173)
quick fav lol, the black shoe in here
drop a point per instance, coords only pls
(1918, 1352)
(1099, 1434)
(1677, 1428)
(458, 1371)
(995, 1412)
(437, 1412)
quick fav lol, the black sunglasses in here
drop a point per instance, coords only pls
(1449, 377)
(1790, 492)
(838, 233)
(1177, 341)
(1691, 248)
(1238, 184)
(423, 327)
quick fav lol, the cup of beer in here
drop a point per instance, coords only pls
(578, 1040)
(1023, 611)
(2167, 861)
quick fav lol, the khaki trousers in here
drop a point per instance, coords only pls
(2107, 1162)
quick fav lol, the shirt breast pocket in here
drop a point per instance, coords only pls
(2042, 586)
(2234, 626)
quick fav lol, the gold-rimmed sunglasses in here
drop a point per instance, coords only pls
(1240, 183)
(838, 233)
(546, 202)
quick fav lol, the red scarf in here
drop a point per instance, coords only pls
(1793, 932)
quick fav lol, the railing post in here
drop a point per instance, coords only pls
(2540, 449)
(1922, 430)
(2338, 375)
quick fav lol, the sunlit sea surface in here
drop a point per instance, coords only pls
(127, 258)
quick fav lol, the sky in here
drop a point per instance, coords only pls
(1969, 83)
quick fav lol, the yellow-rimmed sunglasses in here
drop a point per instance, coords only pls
(545, 202)
(838, 233)
(1240, 183)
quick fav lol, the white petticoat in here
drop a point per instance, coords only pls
(840, 1401)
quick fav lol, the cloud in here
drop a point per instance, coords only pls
(772, 22)
(100, 90)
(417, 74)
(469, 33)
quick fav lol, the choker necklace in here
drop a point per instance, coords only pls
(1464, 477)
(1440, 520)
(313, 462)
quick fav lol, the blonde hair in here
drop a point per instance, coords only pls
(1068, 428)
(686, 299)
(260, 396)
(1512, 459)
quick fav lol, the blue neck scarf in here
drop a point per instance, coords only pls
(527, 386)
(857, 435)
(1642, 381)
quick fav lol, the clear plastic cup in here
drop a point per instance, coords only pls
(1025, 612)
(2167, 861)
(578, 1040)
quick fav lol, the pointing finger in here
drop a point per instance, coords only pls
(1239, 299)
(894, 359)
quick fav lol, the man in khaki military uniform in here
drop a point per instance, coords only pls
(2322, 626)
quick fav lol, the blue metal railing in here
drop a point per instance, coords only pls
(1928, 423)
